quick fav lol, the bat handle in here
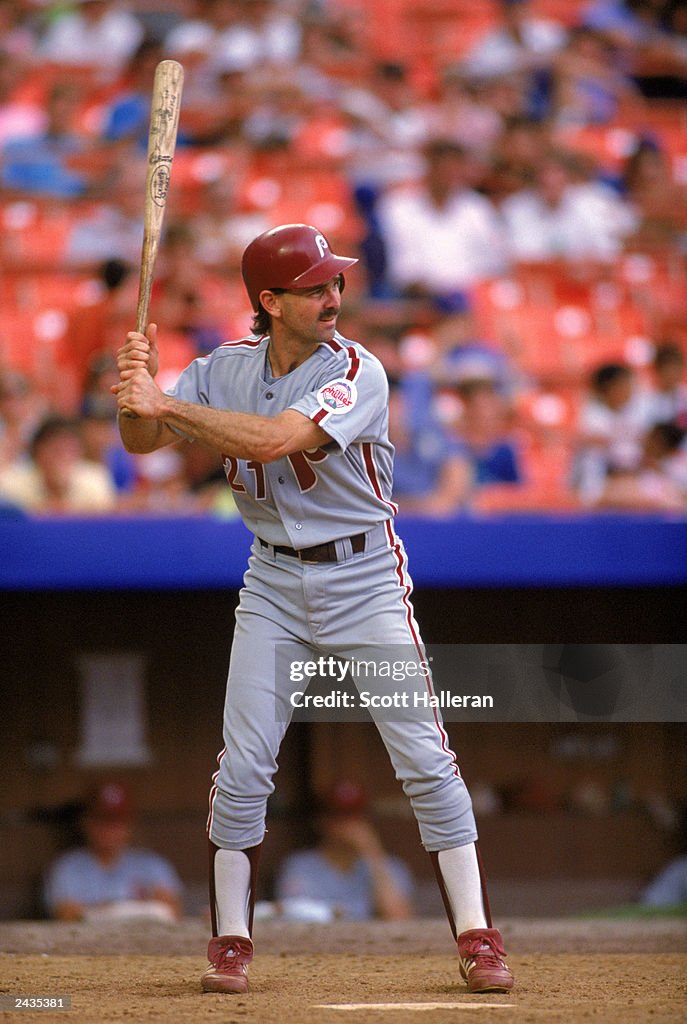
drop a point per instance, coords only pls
(145, 288)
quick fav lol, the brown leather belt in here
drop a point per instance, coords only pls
(320, 552)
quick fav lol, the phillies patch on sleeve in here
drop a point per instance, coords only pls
(338, 397)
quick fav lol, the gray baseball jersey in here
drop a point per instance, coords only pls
(354, 604)
(315, 496)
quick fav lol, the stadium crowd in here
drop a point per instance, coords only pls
(512, 175)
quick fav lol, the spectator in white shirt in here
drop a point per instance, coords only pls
(658, 483)
(386, 125)
(97, 33)
(612, 422)
(440, 236)
(265, 33)
(561, 217)
(520, 43)
(251, 34)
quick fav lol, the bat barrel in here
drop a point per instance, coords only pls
(162, 136)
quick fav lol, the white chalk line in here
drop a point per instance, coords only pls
(411, 1006)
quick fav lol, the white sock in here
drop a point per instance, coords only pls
(460, 872)
(232, 888)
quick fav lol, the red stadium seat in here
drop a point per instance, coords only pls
(17, 349)
(28, 340)
(36, 232)
(557, 322)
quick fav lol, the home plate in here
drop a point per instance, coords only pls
(410, 1006)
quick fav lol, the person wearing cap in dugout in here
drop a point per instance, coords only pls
(348, 872)
(300, 415)
(107, 878)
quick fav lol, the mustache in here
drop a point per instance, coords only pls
(327, 314)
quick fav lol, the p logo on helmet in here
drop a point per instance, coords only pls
(321, 243)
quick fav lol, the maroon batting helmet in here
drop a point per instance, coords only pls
(290, 256)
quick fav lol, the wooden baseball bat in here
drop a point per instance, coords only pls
(162, 137)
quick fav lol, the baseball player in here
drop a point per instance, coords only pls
(299, 414)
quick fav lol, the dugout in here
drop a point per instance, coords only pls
(581, 802)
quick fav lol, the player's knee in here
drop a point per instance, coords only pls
(237, 821)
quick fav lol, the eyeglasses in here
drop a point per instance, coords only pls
(336, 282)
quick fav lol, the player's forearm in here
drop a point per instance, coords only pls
(242, 435)
(141, 436)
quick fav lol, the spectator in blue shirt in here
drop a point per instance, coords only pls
(41, 164)
(128, 115)
(432, 475)
(348, 873)
(484, 434)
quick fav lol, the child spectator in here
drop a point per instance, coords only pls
(668, 397)
(611, 424)
(483, 434)
(658, 483)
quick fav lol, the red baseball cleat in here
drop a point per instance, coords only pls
(481, 953)
(229, 956)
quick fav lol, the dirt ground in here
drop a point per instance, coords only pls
(629, 971)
